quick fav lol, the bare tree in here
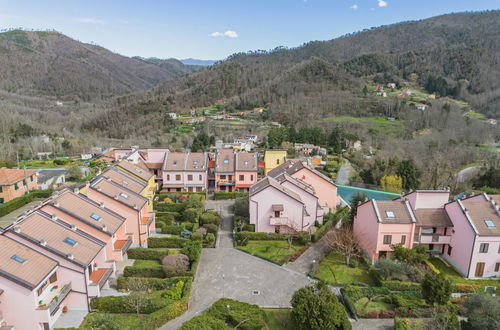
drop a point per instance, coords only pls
(137, 296)
(344, 242)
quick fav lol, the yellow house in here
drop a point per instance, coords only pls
(142, 174)
(273, 158)
(15, 183)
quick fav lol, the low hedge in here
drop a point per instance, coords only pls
(322, 230)
(466, 288)
(119, 304)
(401, 286)
(144, 283)
(168, 217)
(162, 207)
(173, 230)
(133, 271)
(149, 253)
(219, 195)
(253, 236)
(18, 202)
(167, 242)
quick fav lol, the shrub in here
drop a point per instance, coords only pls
(432, 267)
(401, 324)
(168, 217)
(173, 230)
(133, 271)
(209, 218)
(141, 283)
(241, 207)
(192, 249)
(372, 315)
(322, 231)
(316, 307)
(147, 254)
(197, 236)
(353, 263)
(234, 312)
(60, 161)
(158, 318)
(166, 242)
(119, 304)
(191, 215)
(387, 314)
(219, 195)
(482, 311)
(466, 288)
(249, 227)
(401, 286)
(210, 238)
(436, 288)
(174, 292)
(177, 207)
(203, 322)
(168, 200)
(211, 228)
(407, 300)
(375, 276)
(252, 236)
(176, 263)
(18, 202)
(388, 268)
(414, 256)
(302, 238)
(195, 201)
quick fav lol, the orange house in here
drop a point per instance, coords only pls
(15, 183)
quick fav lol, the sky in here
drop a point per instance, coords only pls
(215, 29)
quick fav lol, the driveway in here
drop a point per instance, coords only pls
(315, 253)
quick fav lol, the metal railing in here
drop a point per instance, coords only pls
(57, 301)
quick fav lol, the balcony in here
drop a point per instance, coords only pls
(56, 298)
(100, 276)
(122, 245)
(278, 221)
(434, 239)
(226, 182)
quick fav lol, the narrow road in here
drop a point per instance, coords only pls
(344, 173)
(314, 254)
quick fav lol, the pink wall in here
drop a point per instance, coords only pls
(326, 191)
(310, 202)
(365, 229)
(428, 200)
(183, 180)
(461, 240)
(261, 209)
(247, 178)
(490, 258)
(396, 231)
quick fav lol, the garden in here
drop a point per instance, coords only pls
(183, 215)
(155, 288)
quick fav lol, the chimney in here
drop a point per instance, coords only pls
(70, 256)
(98, 188)
(17, 228)
(43, 242)
(135, 207)
(56, 203)
(73, 227)
(53, 217)
(104, 228)
(76, 190)
(101, 205)
(115, 197)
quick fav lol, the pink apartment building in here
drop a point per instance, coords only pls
(282, 205)
(92, 218)
(225, 170)
(246, 171)
(140, 222)
(83, 269)
(324, 188)
(185, 171)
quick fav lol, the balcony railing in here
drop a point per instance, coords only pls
(226, 181)
(278, 221)
(58, 299)
(434, 239)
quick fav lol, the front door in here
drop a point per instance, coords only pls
(479, 269)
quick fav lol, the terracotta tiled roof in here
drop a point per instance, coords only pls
(482, 214)
(196, 161)
(35, 268)
(125, 180)
(10, 176)
(399, 209)
(119, 193)
(37, 227)
(174, 161)
(154, 166)
(224, 161)
(432, 218)
(136, 170)
(246, 162)
(81, 207)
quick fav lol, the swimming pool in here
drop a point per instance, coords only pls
(346, 192)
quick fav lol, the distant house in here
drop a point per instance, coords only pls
(193, 112)
(432, 96)
(258, 110)
(491, 121)
(273, 159)
(173, 115)
(420, 106)
(252, 137)
(391, 85)
(275, 124)
(51, 178)
(15, 183)
(86, 156)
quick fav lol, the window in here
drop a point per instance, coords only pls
(168, 177)
(18, 259)
(1, 200)
(226, 161)
(489, 223)
(178, 177)
(53, 278)
(24, 182)
(124, 195)
(403, 239)
(277, 161)
(195, 163)
(190, 177)
(96, 217)
(70, 241)
(223, 177)
(497, 266)
(175, 162)
(40, 289)
(251, 177)
(387, 239)
(449, 250)
(242, 177)
(277, 214)
(483, 248)
(1, 189)
(200, 177)
(31, 178)
(16, 186)
(390, 214)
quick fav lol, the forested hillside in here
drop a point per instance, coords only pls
(51, 64)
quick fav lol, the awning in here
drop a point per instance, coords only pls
(277, 207)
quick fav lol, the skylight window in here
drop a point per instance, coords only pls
(175, 162)
(18, 259)
(125, 183)
(70, 241)
(138, 170)
(195, 163)
(390, 214)
(245, 162)
(489, 223)
(124, 195)
(96, 217)
(226, 161)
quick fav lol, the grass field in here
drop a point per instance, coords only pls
(375, 305)
(274, 251)
(279, 319)
(379, 124)
(31, 164)
(147, 263)
(342, 274)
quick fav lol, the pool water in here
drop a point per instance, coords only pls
(346, 192)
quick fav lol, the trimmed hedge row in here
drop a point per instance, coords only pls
(257, 236)
(16, 203)
(167, 242)
(176, 207)
(322, 231)
(219, 195)
(133, 271)
(143, 283)
(119, 304)
(149, 254)
(401, 286)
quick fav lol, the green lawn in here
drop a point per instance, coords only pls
(147, 263)
(443, 268)
(279, 319)
(31, 164)
(376, 305)
(342, 274)
(121, 321)
(274, 251)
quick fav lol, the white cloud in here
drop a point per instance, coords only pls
(354, 7)
(90, 20)
(382, 3)
(228, 34)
